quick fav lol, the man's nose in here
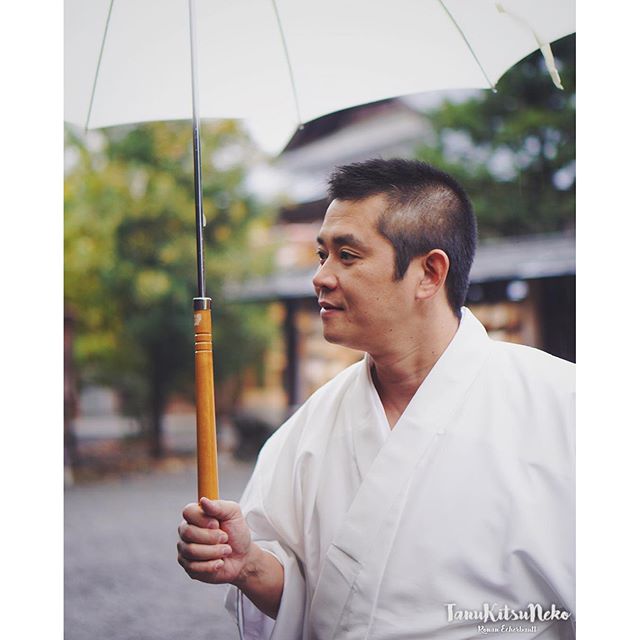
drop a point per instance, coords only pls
(324, 278)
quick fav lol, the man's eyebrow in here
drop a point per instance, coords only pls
(346, 238)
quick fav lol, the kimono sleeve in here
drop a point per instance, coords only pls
(274, 526)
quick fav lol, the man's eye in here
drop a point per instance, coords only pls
(347, 256)
(322, 256)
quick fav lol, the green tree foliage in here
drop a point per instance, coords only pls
(130, 259)
(515, 149)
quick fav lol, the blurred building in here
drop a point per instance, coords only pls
(522, 289)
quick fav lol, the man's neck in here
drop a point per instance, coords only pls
(398, 373)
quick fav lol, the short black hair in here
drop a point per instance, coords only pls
(427, 209)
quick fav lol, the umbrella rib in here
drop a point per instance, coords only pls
(473, 53)
(289, 66)
(545, 47)
(95, 77)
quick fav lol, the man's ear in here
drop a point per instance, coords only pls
(434, 269)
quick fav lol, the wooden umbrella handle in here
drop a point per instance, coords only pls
(205, 401)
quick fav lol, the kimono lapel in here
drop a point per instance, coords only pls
(381, 493)
(369, 428)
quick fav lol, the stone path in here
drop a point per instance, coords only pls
(122, 581)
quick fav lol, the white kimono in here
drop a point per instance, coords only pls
(403, 534)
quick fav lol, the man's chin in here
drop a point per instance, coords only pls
(331, 336)
(335, 337)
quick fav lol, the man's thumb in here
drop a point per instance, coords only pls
(220, 509)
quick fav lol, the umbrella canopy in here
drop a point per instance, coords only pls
(280, 63)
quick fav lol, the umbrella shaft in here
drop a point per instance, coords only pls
(197, 172)
(197, 162)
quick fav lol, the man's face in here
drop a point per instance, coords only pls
(362, 306)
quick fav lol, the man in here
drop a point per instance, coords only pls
(426, 491)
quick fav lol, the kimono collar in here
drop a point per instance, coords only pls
(468, 346)
(428, 412)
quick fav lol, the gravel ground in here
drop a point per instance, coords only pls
(122, 580)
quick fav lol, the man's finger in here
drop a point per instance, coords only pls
(201, 570)
(203, 552)
(194, 515)
(191, 533)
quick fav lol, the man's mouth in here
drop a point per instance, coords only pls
(328, 307)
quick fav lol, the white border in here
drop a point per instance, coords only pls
(31, 264)
(608, 353)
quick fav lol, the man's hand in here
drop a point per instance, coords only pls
(214, 541)
(215, 546)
